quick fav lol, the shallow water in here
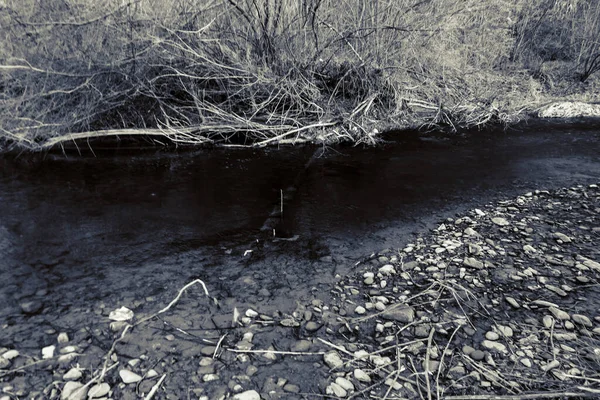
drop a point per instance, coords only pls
(117, 228)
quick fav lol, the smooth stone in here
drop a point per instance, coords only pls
(548, 321)
(31, 307)
(500, 221)
(344, 383)
(559, 314)
(312, 326)
(402, 314)
(210, 378)
(129, 377)
(477, 355)
(48, 352)
(505, 330)
(582, 320)
(62, 338)
(473, 263)
(360, 310)
(333, 359)
(73, 374)
(492, 335)
(336, 390)
(99, 390)
(468, 350)
(512, 302)
(387, 269)
(247, 395)
(361, 375)
(551, 365)
(490, 345)
(10, 354)
(71, 391)
(301, 346)
(561, 236)
(291, 388)
(526, 362)
(208, 350)
(250, 313)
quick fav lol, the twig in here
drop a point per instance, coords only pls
(427, 355)
(547, 395)
(155, 387)
(288, 353)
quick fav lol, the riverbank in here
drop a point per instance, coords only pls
(498, 300)
(281, 72)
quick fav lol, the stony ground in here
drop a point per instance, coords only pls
(501, 302)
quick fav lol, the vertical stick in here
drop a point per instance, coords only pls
(281, 207)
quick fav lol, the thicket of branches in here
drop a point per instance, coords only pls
(264, 71)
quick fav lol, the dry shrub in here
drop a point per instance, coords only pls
(273, 70)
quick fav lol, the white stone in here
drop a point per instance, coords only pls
(10, 354)
(336, 390)
(71, 391)
(387, 269)
(72, 375)
(99, 390)
(500, 221)
(62, 338)
(48, 352)
(121, 314)
(247, 395)
(344, 383)
(333, 359)
(250, 313)
(362, 376)
(129, 377)
(360, 310)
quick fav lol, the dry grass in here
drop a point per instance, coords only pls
(257, 72)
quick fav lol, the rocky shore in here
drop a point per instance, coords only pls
(500, 302)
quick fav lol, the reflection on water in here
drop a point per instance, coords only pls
(94, 227)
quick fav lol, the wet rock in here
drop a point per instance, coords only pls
(73, 391)
(402, 314)
(129, 377)
(99, 390)
(247, 395)
(333, 359)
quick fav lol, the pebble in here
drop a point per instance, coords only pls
(551, 365)
(548, 321)
(129, 377)
(360, 310)
(31, 307)
(48, 352)
(333, 359)
(344, 383)
(62, 338)
(402, 314)
(582, 320)
(490, 345)
(361, 376)
(492, 335)
(71, 391)
(512, 302)
(250, 313)
(562, 237)
(73, 374)
(477, 355)
(505, 330)
(10, 355)
(500, 221)
(291, 388)
(559, 314)
(387, 269)
(526, 362)
(468, 350)
(473, 263)
(247, 395)
(99, 390)
(121, 314)
(336, 390)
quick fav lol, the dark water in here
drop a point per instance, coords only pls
(118, 227)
